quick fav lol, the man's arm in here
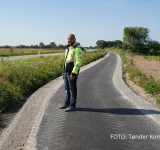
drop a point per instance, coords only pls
(66, 52)
(78, 57)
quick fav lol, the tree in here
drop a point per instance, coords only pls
(154, 45)
(60, 46)
(118, 43)
(101, 44)
(136, 39)
(52, 44)
(107, 44)
(41, 44)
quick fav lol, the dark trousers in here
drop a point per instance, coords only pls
(71, 89)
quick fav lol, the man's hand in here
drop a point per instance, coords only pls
(71, 78)
(62, 74)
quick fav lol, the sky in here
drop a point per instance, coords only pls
(29, 22)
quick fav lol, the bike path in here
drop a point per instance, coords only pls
(102, 114)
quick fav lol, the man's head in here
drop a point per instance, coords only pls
(71, 39)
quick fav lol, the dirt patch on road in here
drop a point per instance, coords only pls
(150, 68)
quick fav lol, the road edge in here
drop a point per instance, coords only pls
(146, 107)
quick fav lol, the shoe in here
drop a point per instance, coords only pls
(63, 107)
(70, 108)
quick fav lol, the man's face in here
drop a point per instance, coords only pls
(71, 40)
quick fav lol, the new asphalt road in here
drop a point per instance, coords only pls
(104, 119)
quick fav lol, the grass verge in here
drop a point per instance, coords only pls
(152, 57)
(139, 77)
(20, 78)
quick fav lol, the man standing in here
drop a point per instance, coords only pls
(70, 72)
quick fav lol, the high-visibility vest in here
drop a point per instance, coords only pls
(73, 59)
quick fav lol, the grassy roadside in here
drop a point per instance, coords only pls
(20, 78)
(139, 77)
(29, 53)
(149, 57)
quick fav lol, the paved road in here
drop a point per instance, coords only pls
(31, 56)
(101, 112)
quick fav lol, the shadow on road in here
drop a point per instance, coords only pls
(120, 111)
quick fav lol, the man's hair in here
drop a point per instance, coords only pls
(72, 35)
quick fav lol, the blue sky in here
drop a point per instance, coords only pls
(29, 22)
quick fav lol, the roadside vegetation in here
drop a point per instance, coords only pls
(148, 57)
(151, 57)
(140, 78)
(21, 77)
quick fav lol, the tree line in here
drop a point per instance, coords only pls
(135, 39)
(107, 44)
(41, 45)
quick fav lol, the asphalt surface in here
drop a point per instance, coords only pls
(104, 119)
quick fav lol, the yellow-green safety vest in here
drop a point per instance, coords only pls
(73, 59)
